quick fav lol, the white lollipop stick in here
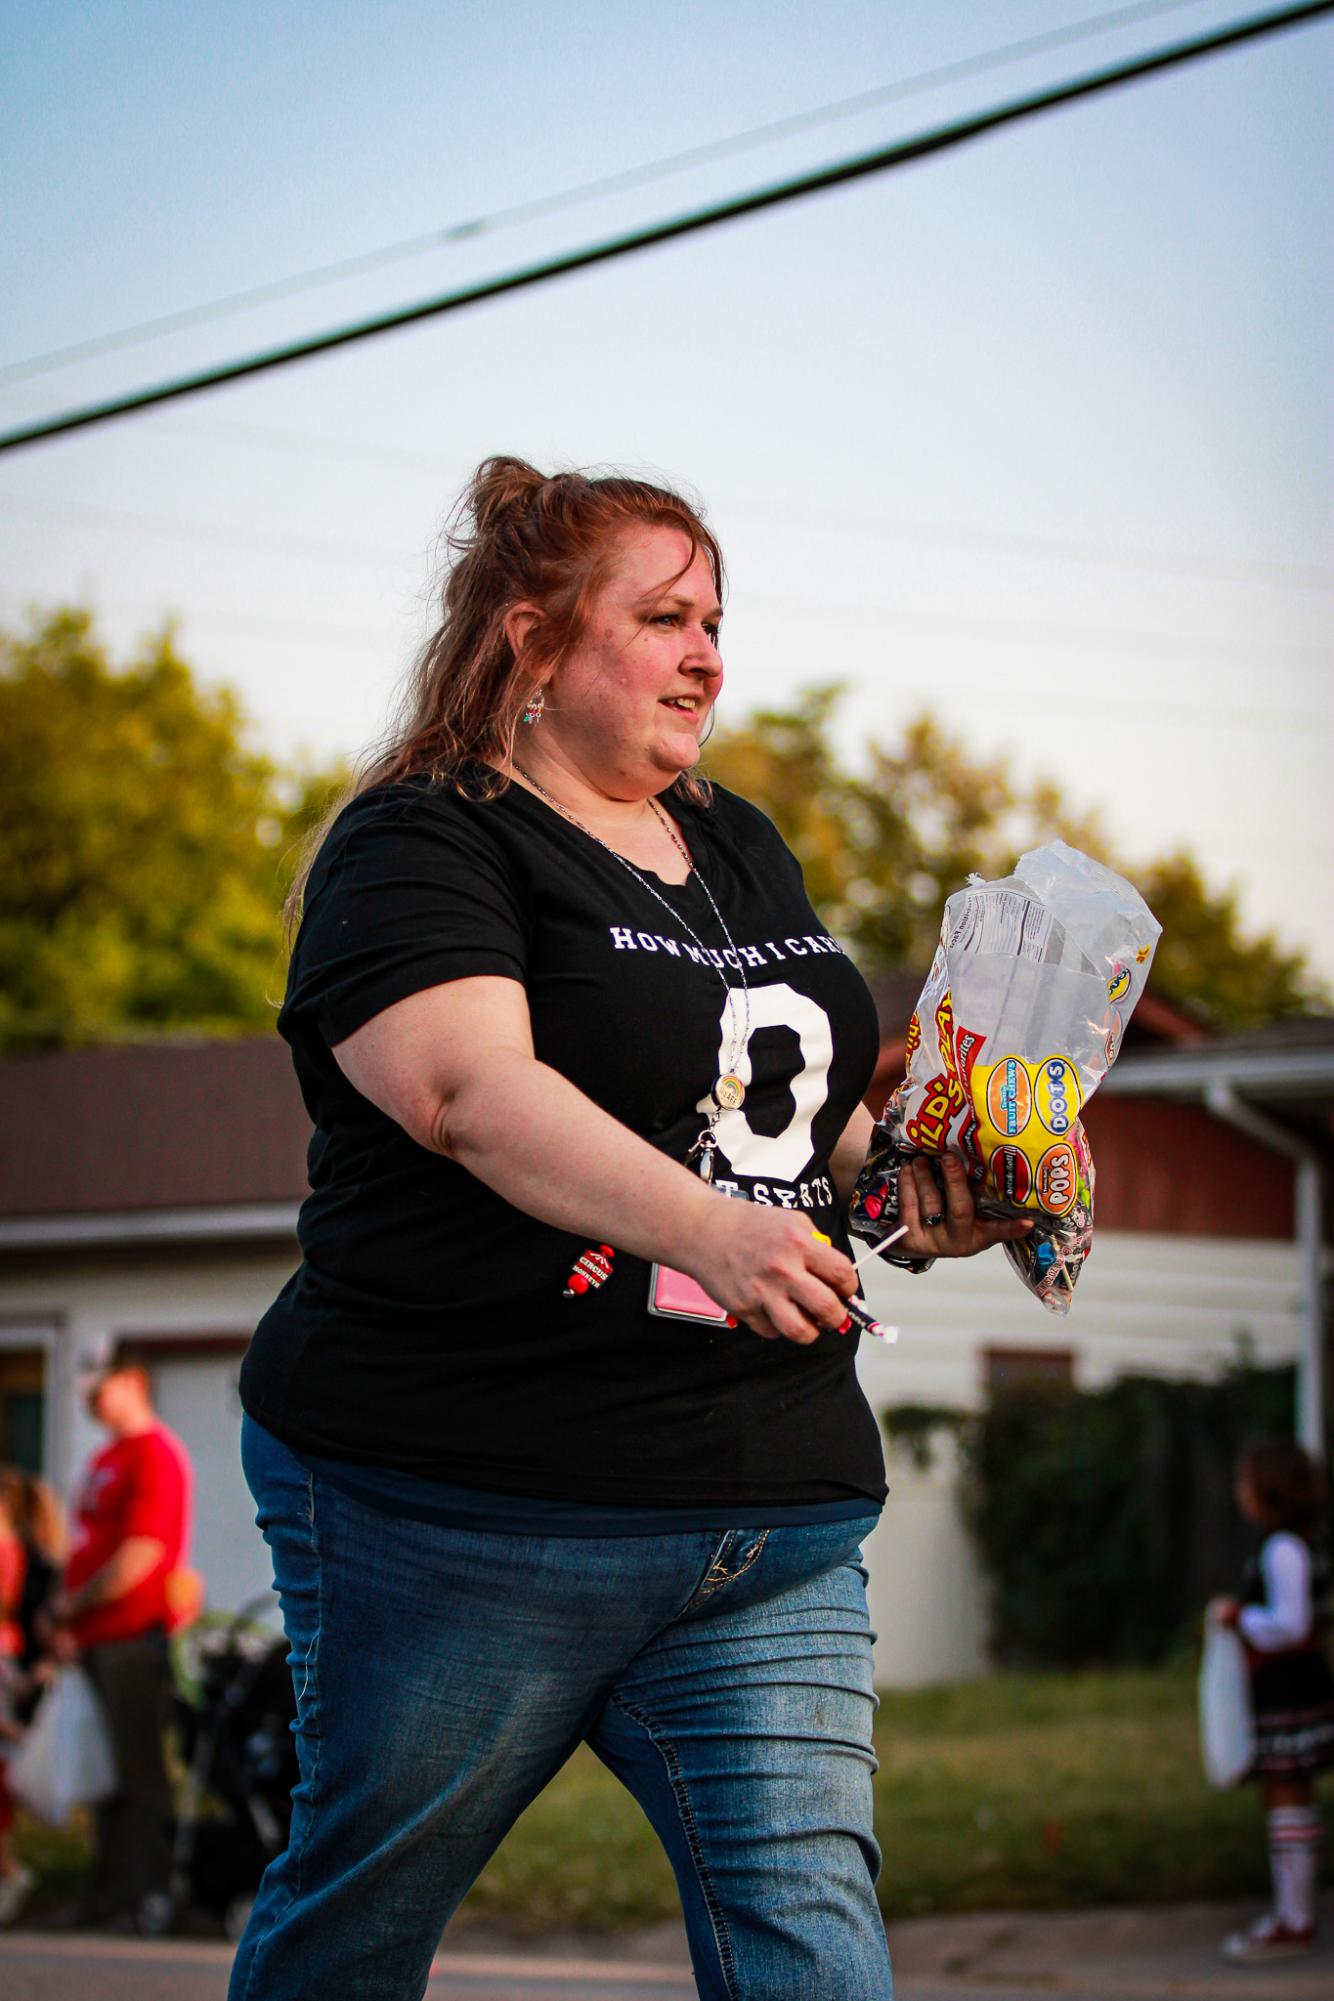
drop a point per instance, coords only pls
(885, 1333)
(878, 1250)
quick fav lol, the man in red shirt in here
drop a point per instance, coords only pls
(123, 1592)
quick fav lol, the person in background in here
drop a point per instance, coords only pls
(125, 1589)
(1278, 1615)
(35, 1510)
(16, 1881)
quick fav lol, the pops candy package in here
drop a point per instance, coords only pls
(1020, 1019)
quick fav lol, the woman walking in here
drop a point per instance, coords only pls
(555, 1435)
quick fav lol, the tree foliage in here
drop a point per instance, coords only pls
(144, 847)
(882, 847)
(1208, 964)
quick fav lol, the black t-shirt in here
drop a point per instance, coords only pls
(427, 1328)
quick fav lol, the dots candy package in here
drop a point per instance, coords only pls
(1020, 1019)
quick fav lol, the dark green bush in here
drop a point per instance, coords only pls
(1105, 1518)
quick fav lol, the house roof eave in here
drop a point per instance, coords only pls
(241, 1222)
(1192, 1072)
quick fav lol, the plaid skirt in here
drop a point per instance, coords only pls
(1293, 1699)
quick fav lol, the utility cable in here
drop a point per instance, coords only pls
(1271, 572)
(585, 191)
(222, 535)
(884, 160)
(1207, 649)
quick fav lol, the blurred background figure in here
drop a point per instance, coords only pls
(16, 1881)
(37, 1516)
(125, 1590)
(32, 1548)
(1279, 1616)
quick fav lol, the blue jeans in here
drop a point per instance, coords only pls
(443, 1676)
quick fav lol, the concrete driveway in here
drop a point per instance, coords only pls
(1129, 1955)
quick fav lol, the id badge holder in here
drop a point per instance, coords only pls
(674, 1295)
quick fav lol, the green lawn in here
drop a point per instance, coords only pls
(1018, 1790)
(1056, 1790)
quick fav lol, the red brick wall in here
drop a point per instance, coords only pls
(1170, 1167)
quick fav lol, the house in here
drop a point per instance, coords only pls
(151, 1191)
(1213, 1222)
(148, 1191)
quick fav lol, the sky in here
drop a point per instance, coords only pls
(1038, 433)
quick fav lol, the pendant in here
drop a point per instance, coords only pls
(700, 1156)
(729, 1092)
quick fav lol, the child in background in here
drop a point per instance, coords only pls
(1278, 1615)
(38, 1519)
(16, 1882)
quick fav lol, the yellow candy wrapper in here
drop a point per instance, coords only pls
(1020, 1019)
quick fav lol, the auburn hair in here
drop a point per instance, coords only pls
(515, 537)
(1287, 1483)
(35, 1513)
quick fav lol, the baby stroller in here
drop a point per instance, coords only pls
(236, 1740)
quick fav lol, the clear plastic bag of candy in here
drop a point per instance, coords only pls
(1020, 1020)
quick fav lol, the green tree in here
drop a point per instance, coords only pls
(1206, 962)
(144, 847)
(884, 846)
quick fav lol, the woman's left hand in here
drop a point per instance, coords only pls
(946, 1225)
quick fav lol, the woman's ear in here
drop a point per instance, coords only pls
(518, 626)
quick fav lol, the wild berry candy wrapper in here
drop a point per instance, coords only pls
(1020, 1020)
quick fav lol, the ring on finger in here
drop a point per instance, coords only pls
(933, 1222)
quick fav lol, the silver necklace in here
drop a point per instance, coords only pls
(727, 1091)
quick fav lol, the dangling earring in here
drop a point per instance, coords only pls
(537, 701)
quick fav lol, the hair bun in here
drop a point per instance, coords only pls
(498, 486)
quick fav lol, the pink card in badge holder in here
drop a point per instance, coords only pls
(674, 1295)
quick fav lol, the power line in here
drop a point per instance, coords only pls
(1140, 713)
(1136, 710)
(277, 438)
(584, 191)
(339, 637)
(127, 521)
(1171, 563)
(959, 535)
(1017, 632)
(884, 160)
(898, 618)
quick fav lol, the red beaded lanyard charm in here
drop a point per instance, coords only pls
(591, 1269)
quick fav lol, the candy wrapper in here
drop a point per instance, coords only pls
(1020, 1019)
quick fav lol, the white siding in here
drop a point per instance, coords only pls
(1153, 1303)
(1162, 1305)
(928, 1603)
(183, 1296)
(197, 1396)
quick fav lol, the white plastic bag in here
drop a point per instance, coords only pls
(65, 1759)
(1227, 1725)
(1020, 1019)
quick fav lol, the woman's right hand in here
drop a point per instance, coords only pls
(769, 1268)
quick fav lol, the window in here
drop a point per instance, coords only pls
(1009, 1369)
(22, 1407)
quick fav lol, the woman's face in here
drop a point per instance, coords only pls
(628, 703)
